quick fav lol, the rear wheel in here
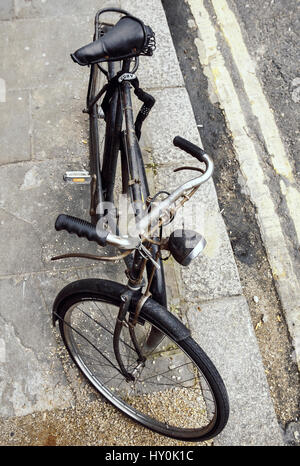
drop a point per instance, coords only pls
(177, 391)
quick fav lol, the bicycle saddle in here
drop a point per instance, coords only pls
(130, 37)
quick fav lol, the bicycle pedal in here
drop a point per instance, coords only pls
(77, 177)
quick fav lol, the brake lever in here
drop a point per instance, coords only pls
(196, 169)
(146, 254)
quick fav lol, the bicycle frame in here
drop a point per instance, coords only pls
(118, 107)
(133, 170)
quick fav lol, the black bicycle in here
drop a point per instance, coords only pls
(134, 351)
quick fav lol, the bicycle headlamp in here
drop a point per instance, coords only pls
(185, 245)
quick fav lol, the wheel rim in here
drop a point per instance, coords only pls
(170, 394)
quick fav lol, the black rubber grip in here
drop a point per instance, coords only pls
(81, 228)
(189, 147)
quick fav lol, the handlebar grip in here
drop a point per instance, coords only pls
(81, 228)
(190, 148)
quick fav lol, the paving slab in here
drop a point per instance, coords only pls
(36, 52)
(15, 134)
(32, 195)
(42, 8)
(32, 378)
(171, 116)
(60, 130)
(7, 10)
(162, 69)
(224, 330)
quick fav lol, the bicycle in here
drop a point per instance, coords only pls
(133, 351)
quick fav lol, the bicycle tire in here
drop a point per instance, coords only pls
(108, 293)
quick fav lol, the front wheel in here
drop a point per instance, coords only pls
(176, 391)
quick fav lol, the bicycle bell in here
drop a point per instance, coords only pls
(185, 245)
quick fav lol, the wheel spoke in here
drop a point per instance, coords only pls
(165, 372)
(85, 338)
(104, 328)
(168, 373)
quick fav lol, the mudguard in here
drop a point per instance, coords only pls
(111, 292)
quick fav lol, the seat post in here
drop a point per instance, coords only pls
(126, 65)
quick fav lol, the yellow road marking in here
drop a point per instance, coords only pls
(260, 107)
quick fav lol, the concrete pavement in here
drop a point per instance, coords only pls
(44, 133)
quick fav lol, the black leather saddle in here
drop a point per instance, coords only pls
(130, 37)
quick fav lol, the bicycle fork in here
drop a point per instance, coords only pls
(155, 336)
(124, 308)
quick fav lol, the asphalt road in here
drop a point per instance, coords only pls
(271, 31)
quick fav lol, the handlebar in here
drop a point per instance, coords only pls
(85, 229)
(190, 148)
(81, 228)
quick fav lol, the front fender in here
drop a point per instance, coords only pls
(110, 291)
